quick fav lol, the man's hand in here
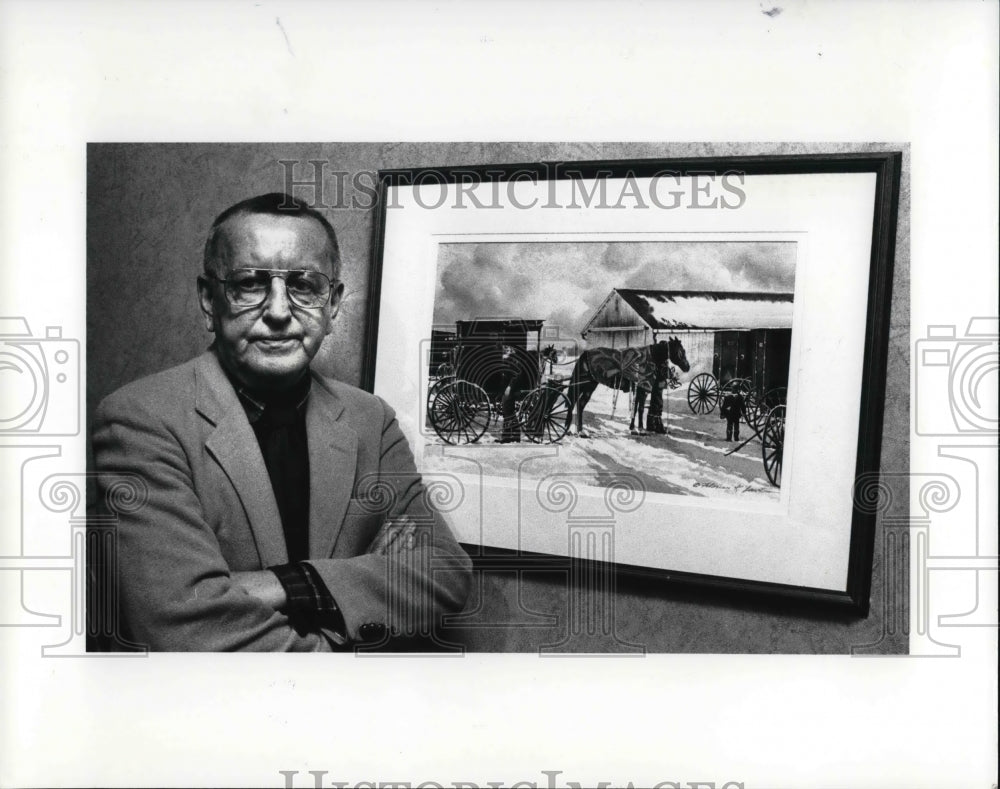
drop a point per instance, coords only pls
(396, 536)
(264, 585)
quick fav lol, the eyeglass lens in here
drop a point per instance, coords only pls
(250, 287)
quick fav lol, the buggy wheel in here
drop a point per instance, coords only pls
(436, 387)
(703, 393)
(460, 412)
(768, 401)
(542, 415)
(773, 443)
(751, 412)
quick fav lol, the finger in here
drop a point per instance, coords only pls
(393, 530)
(404, 540)
(385, 535)
(391, 540)
(392, 547)
(411, 537)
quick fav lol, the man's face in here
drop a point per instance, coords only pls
(269, 347)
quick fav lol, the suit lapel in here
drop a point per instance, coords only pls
(333, 455)
(234, 446)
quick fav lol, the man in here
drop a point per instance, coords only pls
(666, 377)
(511, 378)
(733, 410)
(282, 509)
(654, 416)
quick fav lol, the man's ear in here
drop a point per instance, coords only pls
(335, 296)
(206, 302)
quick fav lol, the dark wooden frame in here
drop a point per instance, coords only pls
(854, 601)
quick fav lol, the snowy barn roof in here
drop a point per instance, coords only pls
(675, 309)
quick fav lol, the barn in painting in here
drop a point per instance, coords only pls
(728, 334)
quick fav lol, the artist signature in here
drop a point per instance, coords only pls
(736, 488)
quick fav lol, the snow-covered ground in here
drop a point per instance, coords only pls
(690, 460)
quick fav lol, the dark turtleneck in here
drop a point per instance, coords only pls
(279, 422)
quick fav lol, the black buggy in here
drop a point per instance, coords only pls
(754, 365)
(486, 375)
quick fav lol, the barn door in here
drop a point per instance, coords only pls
(726, 362)
(760, 375)
(779, 345)
(770, 358)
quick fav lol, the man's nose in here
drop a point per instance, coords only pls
(277, 307)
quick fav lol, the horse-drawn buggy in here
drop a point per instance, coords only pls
(492, 373)
(752, 368)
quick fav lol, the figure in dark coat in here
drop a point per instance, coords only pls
(513, 375)
(654, 416)
(733, 409)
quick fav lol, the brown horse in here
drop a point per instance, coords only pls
(626, 369)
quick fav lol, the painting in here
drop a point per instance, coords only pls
(575, 339)
(686, 357)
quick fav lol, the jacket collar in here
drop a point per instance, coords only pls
(333, 447)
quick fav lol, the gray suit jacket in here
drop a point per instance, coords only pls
(210, 510)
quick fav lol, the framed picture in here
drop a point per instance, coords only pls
(673, 367)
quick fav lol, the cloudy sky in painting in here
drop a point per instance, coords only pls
(563, 283)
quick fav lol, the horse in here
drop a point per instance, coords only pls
(626, 369)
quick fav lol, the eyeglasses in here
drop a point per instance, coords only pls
(249, 287)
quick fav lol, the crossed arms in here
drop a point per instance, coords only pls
(189, 573)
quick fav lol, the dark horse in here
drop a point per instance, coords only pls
(626, 369)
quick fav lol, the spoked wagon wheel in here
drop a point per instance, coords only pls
(436, 387)
(773, 442)
(751, 411)
(759, 407)
(460, 412)
(542, 415)
(433, 387)
(703, 393)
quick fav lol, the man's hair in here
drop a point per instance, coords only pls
(273, 204)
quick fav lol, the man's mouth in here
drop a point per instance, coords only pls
(276, 343)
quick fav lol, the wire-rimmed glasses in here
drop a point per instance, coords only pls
(250, 287)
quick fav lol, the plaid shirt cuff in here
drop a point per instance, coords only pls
(309, 601)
